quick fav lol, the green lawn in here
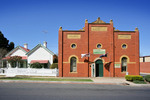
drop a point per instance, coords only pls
(45, 79)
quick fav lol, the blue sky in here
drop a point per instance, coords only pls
(35, 21)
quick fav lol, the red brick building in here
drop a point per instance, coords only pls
(106, 52)
(145, 64)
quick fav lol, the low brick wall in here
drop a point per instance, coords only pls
(145, 67)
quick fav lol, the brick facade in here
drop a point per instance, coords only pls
(145, 64)
(86, 41)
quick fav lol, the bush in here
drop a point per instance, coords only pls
(134, 78)
(36, 65)
(147, 78)
(54, 65)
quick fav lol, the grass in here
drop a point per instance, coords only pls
(45, 79)
(139, 82)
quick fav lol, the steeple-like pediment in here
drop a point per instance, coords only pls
(98, 21)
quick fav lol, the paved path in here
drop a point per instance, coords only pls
(108, 80)
(117, 81)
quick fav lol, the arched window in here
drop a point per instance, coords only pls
(124, 64)
(73, 64)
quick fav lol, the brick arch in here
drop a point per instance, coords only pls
(73, 56)
(128, 59)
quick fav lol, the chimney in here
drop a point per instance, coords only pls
(26, 45)
(45, 44)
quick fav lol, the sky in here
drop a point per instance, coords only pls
(35, 21)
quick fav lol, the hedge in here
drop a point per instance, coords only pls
(134, 77)
(147, 78)
(36, 65)
(54, 65)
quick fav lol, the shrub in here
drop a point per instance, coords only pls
(36, 65)
(147, 78)
(55, 59)
(134, 77)
(54, 65)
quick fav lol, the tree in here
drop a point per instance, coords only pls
(15, 60)
(55, 59)
(3, 52)
(54, 65)
(5, 47)
(4, 43)
(11, 46)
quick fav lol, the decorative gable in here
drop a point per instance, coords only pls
(37, 47)
(19, 51)
(98, 21)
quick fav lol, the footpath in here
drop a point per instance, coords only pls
(96, 80)
(117, 81)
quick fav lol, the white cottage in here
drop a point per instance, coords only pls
(20, 59)
(41, 54)
(18, 51)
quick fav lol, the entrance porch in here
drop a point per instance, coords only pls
(97, 68)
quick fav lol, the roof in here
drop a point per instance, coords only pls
(18, 47)
(27, 50)
(144, 56)
(39, 61)
(38, 46)
(23, 57)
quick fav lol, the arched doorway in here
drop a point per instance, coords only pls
(99, 68)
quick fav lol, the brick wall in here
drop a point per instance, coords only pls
(89, 38)
(145, 67)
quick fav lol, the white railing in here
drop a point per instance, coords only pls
(29, 72)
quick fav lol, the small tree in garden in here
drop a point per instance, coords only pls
(15, 60)
(55, 59)
(36, 65)
(54, 65)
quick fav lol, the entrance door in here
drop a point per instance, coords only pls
(99, 68)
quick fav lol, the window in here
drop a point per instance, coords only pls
(4, 64)
(124, 64)
(143, 59)
(99, 46)
(73, 45)
(13, 64)
(124, 46)
(73, 64)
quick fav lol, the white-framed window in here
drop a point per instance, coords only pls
(73, 64)
(123, 64)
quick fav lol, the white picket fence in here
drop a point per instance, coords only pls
(28, 72)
